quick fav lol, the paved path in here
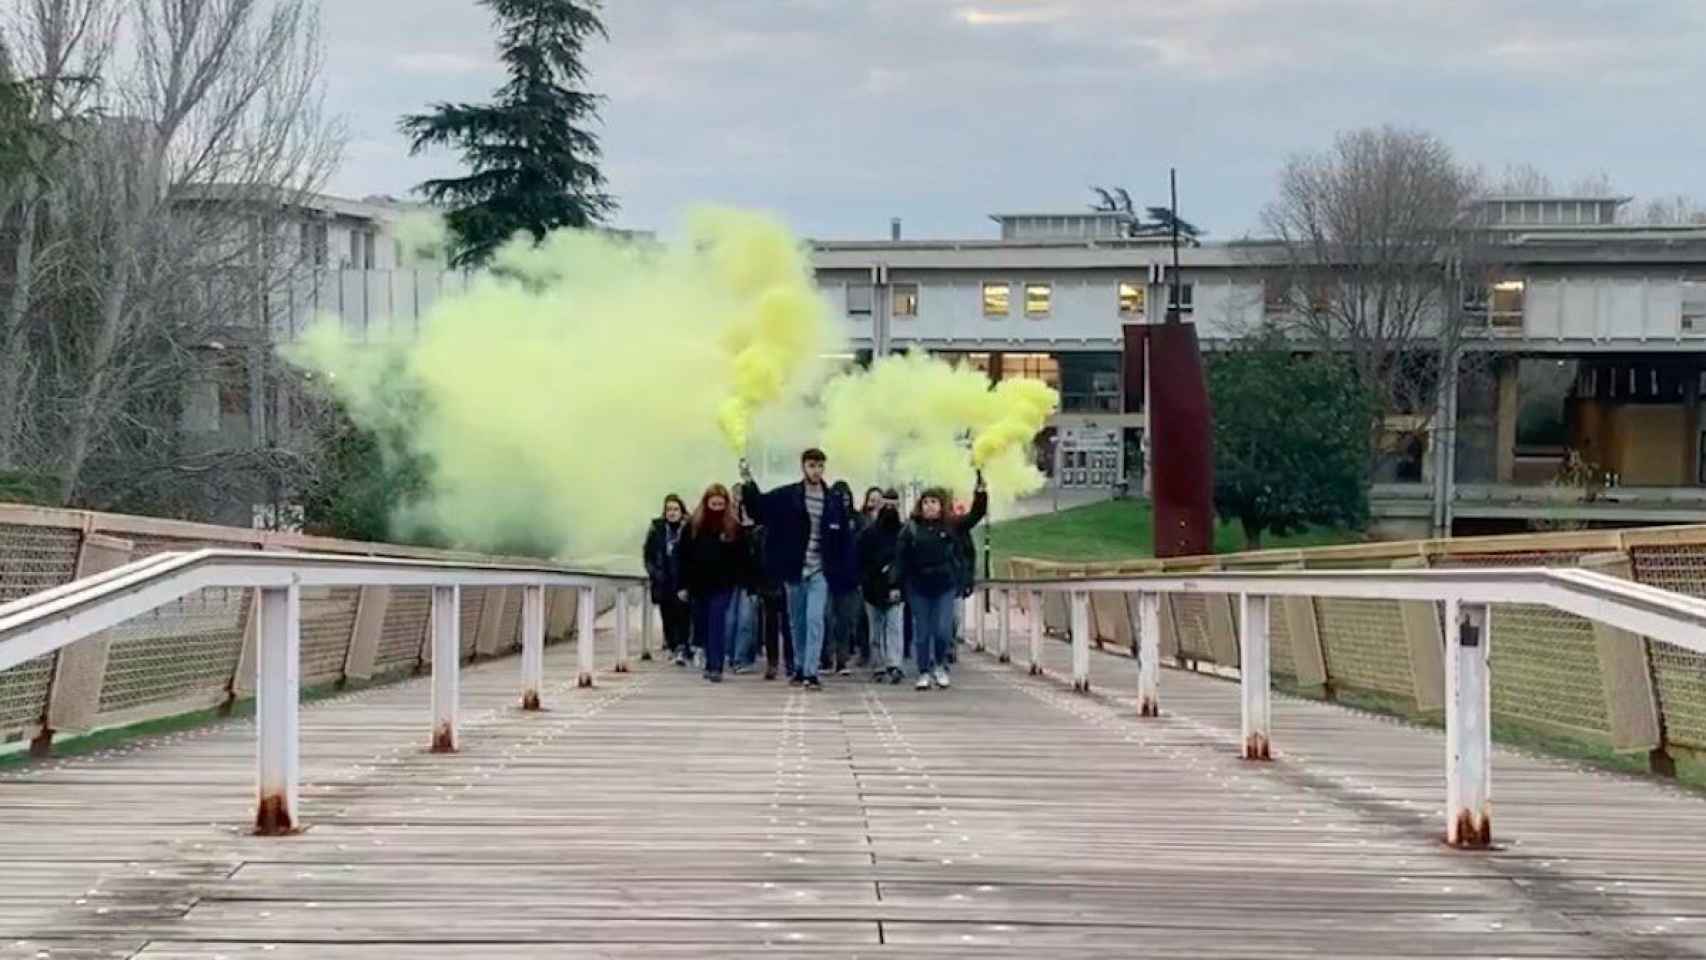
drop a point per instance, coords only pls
(657, 815)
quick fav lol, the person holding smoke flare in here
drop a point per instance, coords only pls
(878, 582)
(663, 569)
(928, 561)
(715, 566)
(805, 530)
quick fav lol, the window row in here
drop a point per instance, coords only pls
(1037, 299)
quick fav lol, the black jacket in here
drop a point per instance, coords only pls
(782, 511)
(710, 563)
(877, 572)
(930, 556)
(663, 566)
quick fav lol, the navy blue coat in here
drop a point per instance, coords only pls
(782, 511)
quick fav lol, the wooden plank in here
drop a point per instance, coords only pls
(658, 815)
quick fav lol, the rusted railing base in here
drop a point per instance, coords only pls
(584, 680)
(272, 820)
(1256, 747)
(620, 668)
(1472, 832)
(530, 700)
(1004, 658)
(1036, 670)
(1080, 686)
(1148, 708)
(443, 740)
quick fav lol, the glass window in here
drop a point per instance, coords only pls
(1185, 297)
(858, 299)
(1506, 304)
(1038, 299)
(1090, 382)
(996, 299)
(905, 300)
(1037, 366)
(1133, 298)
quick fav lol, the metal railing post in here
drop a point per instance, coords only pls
(623, 600)
(978, 600)
(586, 621)
(1468, 727)
(532, 646)
(1081, 641)
(277, 711)
(1005, 652)
(1149, 654)
(645, 623)
(1036, 631)
(1253, 678)
(446, 665)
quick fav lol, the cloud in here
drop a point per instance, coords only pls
(841, 113)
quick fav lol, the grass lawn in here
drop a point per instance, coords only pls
(1118, 530)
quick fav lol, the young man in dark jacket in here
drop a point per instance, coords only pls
(805, 528)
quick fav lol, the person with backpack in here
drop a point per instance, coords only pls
(930, 570)
(663, 570)
(805, 528)
(879, 584)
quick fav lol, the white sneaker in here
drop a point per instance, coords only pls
(941, 678)
(923, 682)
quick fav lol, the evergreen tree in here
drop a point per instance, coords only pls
(1290, 440)
(532, 157)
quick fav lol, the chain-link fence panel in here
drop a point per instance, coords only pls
(1545, 665)
(403, 635)
(328, 622)
(473, 603)
(1679, 675)
(1281, 660)
(32, 559)
(509, 627)
(1190, 619)
(1364, 645)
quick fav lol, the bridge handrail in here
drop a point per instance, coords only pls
(1468, 595)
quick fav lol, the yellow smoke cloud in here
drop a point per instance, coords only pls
(916, 418)
(578, 380)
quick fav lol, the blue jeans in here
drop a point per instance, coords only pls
(806, 602)
(932, 626)
(743, 629)
(711, 623)
(885, 634)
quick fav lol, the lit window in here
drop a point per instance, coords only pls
(1505, 306)
(1133, 297)
(905, 300)
(858, 299)
(997, 299)
(1038, 298)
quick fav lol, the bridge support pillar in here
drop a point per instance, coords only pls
(1034, 620)
(532, 646)
(1468, 727)
(586, 623)
(1081, 641)
(278, 686)
(1004, 653)
(1149, 654)
(446, 666)
(624, 607)
(1253, 679)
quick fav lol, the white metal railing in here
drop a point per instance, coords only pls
(52, 619)
(1467, 596)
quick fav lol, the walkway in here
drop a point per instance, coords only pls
(659, 816)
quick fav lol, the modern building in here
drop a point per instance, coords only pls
(1587, 347)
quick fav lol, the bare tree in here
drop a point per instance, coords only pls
(1678, 210)
(163, 240)
(1372, 249)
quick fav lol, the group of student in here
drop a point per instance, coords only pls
(803, 563)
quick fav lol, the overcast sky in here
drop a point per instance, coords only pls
(838, 114)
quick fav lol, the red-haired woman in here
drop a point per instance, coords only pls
(716, 563)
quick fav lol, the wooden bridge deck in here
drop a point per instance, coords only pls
(656, 815)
